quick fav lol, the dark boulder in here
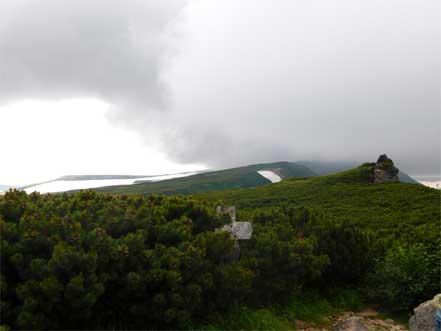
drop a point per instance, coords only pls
(423, 318)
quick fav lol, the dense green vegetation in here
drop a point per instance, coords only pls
(95, 261)
(402, 222)
(242, 177)
(406, 274)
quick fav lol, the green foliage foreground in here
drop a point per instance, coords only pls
(94, 261)
(401, 221)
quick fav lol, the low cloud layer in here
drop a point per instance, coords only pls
(231, 82)
(106, 49)
(310, 80)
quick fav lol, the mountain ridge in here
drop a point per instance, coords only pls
(281, 169)
(239, 177)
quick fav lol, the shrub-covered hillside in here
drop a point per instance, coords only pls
(402, 222)
(346, 196)
(95, 261)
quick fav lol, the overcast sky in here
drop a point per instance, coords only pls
(159, 86)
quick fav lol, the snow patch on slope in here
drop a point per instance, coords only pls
(270, 175)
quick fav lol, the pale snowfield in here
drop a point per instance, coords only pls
(433, 181)
(68, 185)
(270, 175)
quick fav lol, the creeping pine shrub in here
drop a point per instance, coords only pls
(406, 276)
(95, 261)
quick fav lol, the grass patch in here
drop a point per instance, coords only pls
(318, 308)
(346, 299)
(246, 318)
(309, 306)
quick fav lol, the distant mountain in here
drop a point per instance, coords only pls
(194, 182)
(405, 178)
(79, 182)
(240, 177)
(4, 188)
(99, 177)
(329, 167)
(74, 178)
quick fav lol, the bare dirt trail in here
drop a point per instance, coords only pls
(365, 320)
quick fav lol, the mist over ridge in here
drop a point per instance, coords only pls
(229, 83)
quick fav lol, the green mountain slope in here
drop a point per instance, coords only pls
(241, 177)
(344, 196)
(332, 167)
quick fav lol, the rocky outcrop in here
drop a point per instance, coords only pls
(424, 316)
(385, 171)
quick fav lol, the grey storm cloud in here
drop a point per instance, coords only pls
(107, 49)
(227, 82)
